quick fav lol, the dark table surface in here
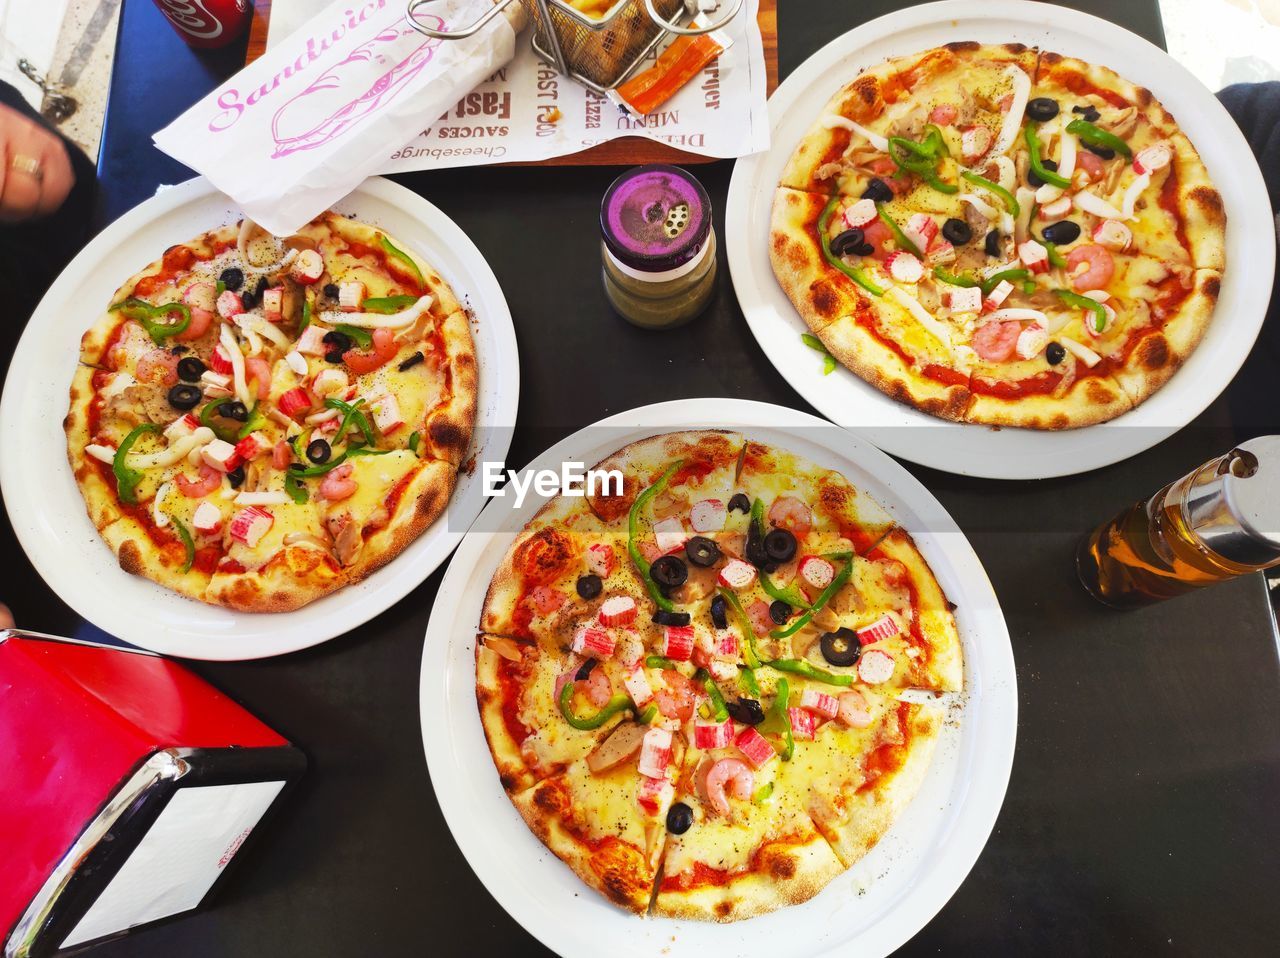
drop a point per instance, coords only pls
(1141, 812)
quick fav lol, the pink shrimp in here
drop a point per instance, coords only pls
(158, 367)
(597, 688)
(338, 484)
(209, 480)
(788, 512)
(199, 325)
(943, 114)
(1091, 164)
(258, 369)
(1100, 267)
(994, 340)
(546, 599)
(676, 700)
(853, 709)
(731, 775)
(281, 455)
(758, 613)
(877, 234)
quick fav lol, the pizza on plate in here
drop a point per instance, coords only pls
(690, 682)
(1000, 235)
(257, 421)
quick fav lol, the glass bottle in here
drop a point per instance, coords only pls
(658, 246)
(1220, 521)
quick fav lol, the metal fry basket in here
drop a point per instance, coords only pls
(598, 53)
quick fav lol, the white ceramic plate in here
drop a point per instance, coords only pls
(973, 449)
(45, 505)
(870, 910)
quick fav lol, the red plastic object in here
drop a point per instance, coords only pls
(76, 721)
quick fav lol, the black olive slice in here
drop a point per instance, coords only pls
(669, 571)
(740, 503)
(185, 396)
(779, 611)
(411, 362)
(337, 341)
(701, 551)
(589, 586)
(746, 711)
(318, 451)
(679, 818)
(877, 191)
(1061, 233)
(584, 670)
(840, 647)
(1055, 353)
(663, 617)
(991, 246)
(1035, 180)
(190, 369)
(232, 278)
(957, 232)
(234, 410)
(847, 242)
(1042, 108)
(780, 545)
(719, 612)
(236, 477)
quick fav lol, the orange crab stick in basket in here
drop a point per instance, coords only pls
(678, 64)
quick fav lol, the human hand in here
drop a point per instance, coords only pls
(6, 617)
(35, 171)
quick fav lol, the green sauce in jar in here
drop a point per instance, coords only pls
(658, 246)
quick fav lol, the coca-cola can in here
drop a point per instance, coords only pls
(207, 23)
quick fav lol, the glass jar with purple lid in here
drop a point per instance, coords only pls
(659, 246)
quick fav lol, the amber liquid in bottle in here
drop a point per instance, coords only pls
(1147, 553)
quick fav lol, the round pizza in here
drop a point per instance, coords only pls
(257, 421)
(691, 682)
(1000, 235)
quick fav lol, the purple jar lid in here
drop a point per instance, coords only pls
(655, 218)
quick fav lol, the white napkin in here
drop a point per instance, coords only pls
(302, 126)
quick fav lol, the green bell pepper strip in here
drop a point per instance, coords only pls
(633, 535)
(718, 707)
(1045, 174)
(206, 419)
(818, 604)
(814, 343)
(300, 443)
(658, 662)
(361, 337)
(295, 489)
(778, 721)
(747, 679)
(855, 273)
(1028, 286)
(127, 478)
(1085, 302)
(763, 793)
(256, 421)
(148, 316)
(306, 316)
(772, 589)
(403, 257)
(586, 723)
(220, 288)
(352, 414)
(749, 652)
(366, 451)
(1012, 275)
(387, 304)
(1096, 136)
(1010, 201)
(310, 472)
(648, 715)
(187, 543)
(414, 440)
(954, 279)
(899, 237)
(810, 671)
(942, 186)
(1056, 259)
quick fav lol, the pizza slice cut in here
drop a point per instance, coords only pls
(607, 820)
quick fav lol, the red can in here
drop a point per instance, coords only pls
(207, 23)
